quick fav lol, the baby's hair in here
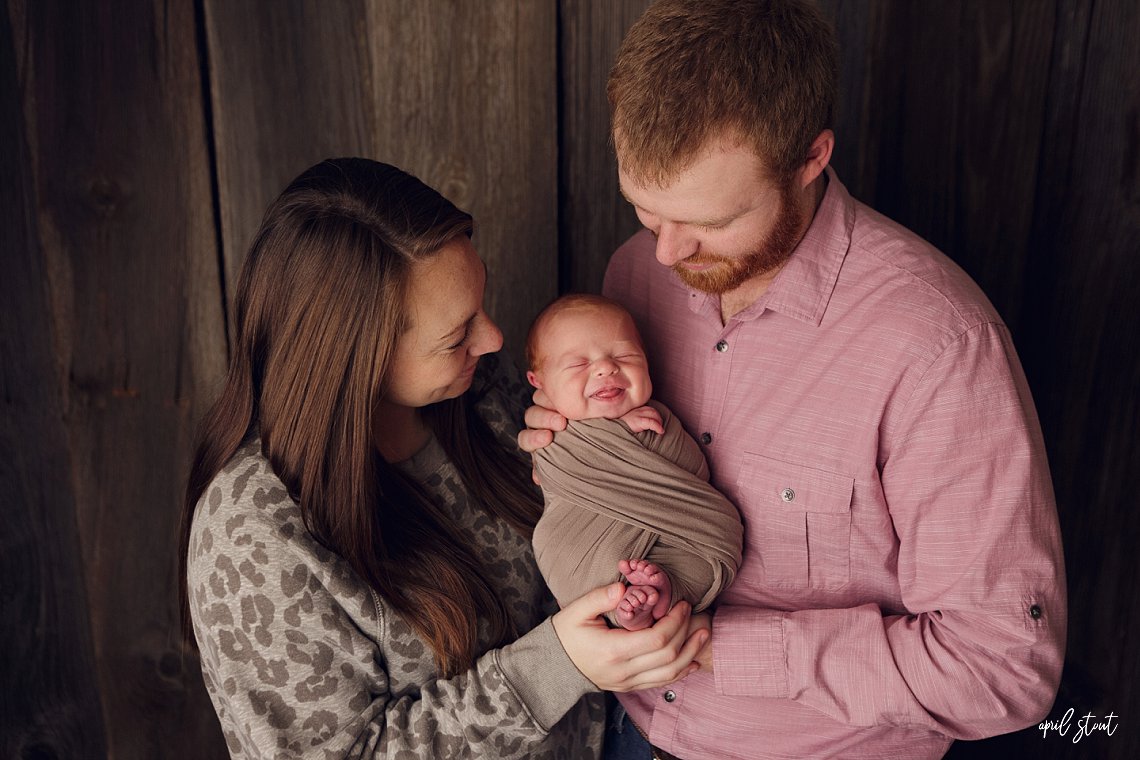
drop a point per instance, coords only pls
(570, 301)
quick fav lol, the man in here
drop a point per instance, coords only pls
(857, 397)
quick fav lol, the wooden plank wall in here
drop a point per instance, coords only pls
(460, 94)
(48, 683)
(140, 142)
(123, 334)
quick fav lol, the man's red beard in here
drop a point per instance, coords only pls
(727, 274)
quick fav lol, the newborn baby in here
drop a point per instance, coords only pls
(626, 488)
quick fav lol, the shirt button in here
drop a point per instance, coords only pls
(788, 494)
(706, 438)
(670, 695)
(1035, 612)
(722, 346)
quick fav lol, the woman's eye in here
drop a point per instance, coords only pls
(462, 340)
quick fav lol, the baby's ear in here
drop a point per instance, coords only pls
(533, 380)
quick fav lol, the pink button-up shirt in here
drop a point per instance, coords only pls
(903, 582)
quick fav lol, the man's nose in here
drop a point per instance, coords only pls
(674, 244)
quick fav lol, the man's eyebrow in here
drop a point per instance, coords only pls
(715, 222)
(698, 223)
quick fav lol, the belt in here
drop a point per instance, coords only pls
(658, 754)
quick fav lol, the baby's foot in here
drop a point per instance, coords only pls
(635, 610)
(640, 572)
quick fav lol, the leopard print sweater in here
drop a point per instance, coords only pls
(302, 659)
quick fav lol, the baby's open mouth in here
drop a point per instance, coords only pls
(606, 394)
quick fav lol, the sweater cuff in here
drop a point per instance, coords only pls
(542, 675)
(748, 652)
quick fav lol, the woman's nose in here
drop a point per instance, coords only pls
(488, 337)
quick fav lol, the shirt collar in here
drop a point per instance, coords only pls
(804, 286)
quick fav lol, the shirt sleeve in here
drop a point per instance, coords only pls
(293, 674)
(980, 647)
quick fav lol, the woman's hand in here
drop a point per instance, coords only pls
(703, 622)
(615, 659)
(541, 424)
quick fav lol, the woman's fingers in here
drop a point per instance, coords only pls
(592, 604)
(661, 644)
(543, 418)
(540, 422)
(541, 399)
(531, 441)
(682, 665)
(620, 660)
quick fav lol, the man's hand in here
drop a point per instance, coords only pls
(644, 418)
(541, 424)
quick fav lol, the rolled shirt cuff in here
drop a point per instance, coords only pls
(749, 653)
(542, 675)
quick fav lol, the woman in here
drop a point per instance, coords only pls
(359, 576)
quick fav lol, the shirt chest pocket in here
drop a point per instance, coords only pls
(798, 522)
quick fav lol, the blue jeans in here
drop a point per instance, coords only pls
(623, 740)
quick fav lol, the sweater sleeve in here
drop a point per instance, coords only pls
(288, 637)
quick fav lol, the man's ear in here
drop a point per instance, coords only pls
(819, 156)
(533, 380)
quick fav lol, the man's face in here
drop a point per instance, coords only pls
(722, 222)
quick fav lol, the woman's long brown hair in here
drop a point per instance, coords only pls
(319, 309)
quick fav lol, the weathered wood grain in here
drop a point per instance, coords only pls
(595, 218)
(460, 94)
(470, 108)
(1082, 358)
(48, 686)
(120, 183)
(288, 88)
(858, 28)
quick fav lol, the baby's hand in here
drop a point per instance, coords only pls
(644, 418)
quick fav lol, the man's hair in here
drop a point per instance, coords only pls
(560, 305)
(761, 71)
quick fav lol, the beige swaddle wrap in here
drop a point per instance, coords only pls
(612, 494)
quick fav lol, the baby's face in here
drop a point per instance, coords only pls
(592, 364)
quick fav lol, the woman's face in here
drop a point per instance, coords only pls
(448, 329)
